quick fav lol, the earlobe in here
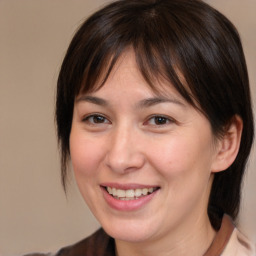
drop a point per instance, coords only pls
(228, 145)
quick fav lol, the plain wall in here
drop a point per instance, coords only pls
(35, 214)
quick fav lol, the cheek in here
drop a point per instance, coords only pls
(185, 168)
(85, 156)
(183, 155)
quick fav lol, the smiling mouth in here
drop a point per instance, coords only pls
(130, 194)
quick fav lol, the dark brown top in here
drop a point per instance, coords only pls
(98, 244)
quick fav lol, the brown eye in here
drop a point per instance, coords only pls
(159, 120)
(96, 119)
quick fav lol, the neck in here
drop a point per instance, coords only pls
(193, 241)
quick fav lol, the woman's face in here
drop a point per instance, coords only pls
(142, 161)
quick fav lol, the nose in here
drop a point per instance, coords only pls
(125, 152)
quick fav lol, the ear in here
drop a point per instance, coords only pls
(228, 145)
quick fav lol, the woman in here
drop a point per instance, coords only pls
(154, 111)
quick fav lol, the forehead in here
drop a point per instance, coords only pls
(126, 85)
(126, 67)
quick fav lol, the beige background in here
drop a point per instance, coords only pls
(35, 215)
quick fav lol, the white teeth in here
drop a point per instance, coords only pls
(114, 192)
(150, 190)
(129, 194)
(109, 190)
(138, 192)
(144, 191)
(120, 193)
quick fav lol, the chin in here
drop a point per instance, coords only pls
(129, 231)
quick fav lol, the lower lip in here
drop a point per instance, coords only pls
(129, 205)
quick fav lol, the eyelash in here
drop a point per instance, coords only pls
(161, 118)
(94, 116)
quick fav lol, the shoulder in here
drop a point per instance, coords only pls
(98, 244)
(239, 245)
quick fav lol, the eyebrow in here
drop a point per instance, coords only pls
(158, 100)
(93, 99)
(145, 103)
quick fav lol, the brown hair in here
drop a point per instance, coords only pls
(166, 36)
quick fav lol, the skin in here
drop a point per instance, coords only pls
(120, 137)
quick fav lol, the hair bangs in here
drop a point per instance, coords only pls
(157, 58)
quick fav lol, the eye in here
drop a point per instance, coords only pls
(96, 119)
(159, 120)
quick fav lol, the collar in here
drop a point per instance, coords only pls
(222, 237)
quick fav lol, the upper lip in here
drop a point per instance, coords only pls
(127, 186)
